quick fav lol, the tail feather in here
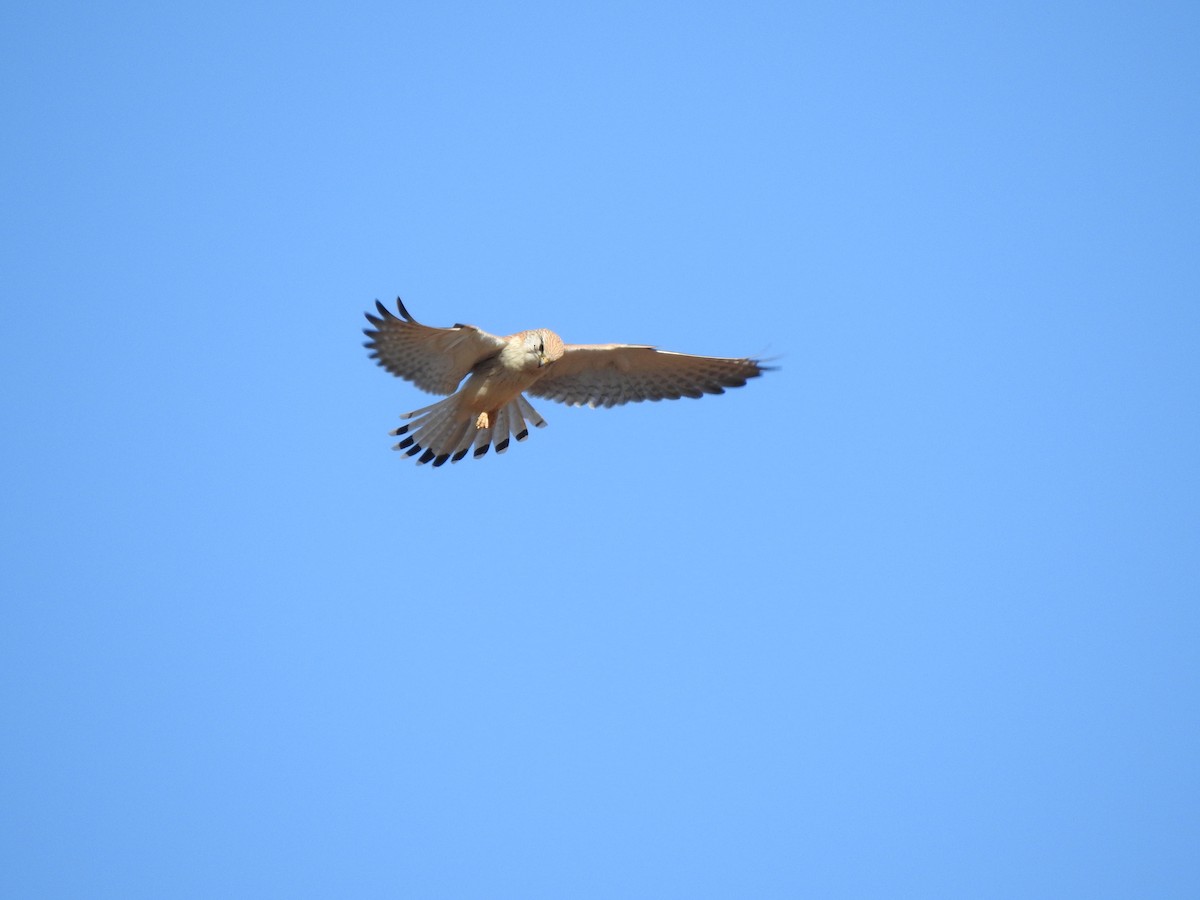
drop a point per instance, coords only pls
(416, 424)
(454, 442)
(422, 411)
(432, 425)
(483, 437)
(463, 447)
(436, 440)
(517, 422)
(441, 436)
(501, 437)
(445, 432)
(530, 413)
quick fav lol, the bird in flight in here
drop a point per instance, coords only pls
(490, 407)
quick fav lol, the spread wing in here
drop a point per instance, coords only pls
(434, 359)
(611, 374)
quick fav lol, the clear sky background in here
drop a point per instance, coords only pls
(915, 615)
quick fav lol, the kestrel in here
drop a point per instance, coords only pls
(490, 407)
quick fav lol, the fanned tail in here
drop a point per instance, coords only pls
(434, 431)
(445, 431)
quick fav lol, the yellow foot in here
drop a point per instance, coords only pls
(482, 422)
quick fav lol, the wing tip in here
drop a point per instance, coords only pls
(385, 313)
(404, 310)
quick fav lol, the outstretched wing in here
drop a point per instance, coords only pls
(434, 359)
(611, 374)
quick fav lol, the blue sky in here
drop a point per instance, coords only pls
(915, 615)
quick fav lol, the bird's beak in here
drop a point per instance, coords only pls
(541, 360)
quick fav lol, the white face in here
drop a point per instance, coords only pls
(535, 346)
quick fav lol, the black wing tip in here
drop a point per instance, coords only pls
(404, 311)
(385, 314)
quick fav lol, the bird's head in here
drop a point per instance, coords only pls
(543, 346)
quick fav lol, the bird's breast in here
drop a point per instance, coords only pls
(492, 386)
